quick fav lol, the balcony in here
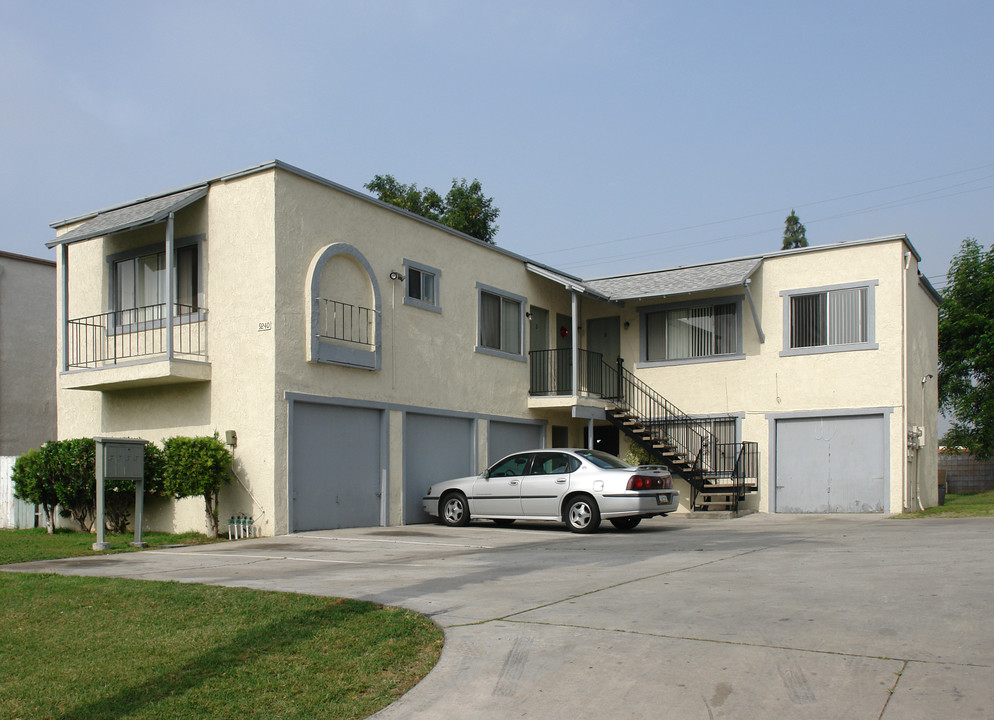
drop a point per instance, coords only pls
(136, 347)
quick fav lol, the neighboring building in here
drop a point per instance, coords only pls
(27, 364)
(358, 353)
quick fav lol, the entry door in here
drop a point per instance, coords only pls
(564, 356)
(603, 337)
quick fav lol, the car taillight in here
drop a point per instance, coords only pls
(649, 482)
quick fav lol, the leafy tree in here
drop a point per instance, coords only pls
(966, 349)
(794, 233)
(464, 208)
(197, 466)
(76, 481)
(34, 476)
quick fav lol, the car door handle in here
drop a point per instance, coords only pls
(514, 482)
(560, 481)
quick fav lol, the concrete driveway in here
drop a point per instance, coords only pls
(766, 616)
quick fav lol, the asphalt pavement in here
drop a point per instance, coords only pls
(764, 616)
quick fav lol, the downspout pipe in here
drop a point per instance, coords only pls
(755, 314)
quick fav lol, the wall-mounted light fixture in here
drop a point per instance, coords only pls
(528, 315)
(627, 325)
(394, 275)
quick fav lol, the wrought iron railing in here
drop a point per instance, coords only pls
(552, 373)
(127, 335)
(345, 322)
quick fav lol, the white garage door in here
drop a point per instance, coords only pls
(335, 463)
(831, 465)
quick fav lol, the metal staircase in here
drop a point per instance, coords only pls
(720, 474)
(702, 451)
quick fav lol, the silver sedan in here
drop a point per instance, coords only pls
(577, 487)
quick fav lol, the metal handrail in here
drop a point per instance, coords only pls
(125, 335)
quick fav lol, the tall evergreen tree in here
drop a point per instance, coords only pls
(793, 233)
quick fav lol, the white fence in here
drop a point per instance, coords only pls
(14, 513)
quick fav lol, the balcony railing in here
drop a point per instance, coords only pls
(127, 335)
(345, 322)
(552, 373)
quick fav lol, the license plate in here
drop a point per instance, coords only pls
(662, 499)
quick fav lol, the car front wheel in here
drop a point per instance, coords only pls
(455, 510)
(582, 514)
(626, 523)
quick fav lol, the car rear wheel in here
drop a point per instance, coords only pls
(455, 510)
(626, 523)
(582, 514)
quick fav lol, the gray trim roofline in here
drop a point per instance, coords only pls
(280, 165)
(568, 282)
(929, 289)
(778, 253)
(26, 258)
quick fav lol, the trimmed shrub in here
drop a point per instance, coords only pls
(197, 466)
(34, 476)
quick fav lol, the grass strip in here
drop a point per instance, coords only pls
(959, 505)
(18, 546)
(80, 648)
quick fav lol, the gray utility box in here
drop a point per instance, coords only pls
(123, 460)
(120, 459)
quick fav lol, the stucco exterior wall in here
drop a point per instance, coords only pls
(237, 269)
(763, 384)
(428, 359)
(922, 338)
(27, 353)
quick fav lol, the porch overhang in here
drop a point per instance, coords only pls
(127, 217)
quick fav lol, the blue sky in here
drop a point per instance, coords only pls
(614, 137)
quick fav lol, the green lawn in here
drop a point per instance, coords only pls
(966, 505)
(80, 648)
(36, 544)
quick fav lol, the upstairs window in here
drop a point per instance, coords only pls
(689, 333)
(139, 283)
(829, 319)
(501, 322)
(422, 286)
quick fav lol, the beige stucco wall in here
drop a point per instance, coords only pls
(27, 353)
(922, 337)
(763, 384)
(428, 359)
(237, 257)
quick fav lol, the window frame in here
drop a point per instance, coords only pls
(871, 341)
(410, 267)
(113, 300)
(644, 312)
(481, 290)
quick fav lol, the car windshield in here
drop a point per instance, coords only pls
(602, 459)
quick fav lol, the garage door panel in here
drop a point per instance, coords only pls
(336, 462)
(831, 465)
(435, 448)
(507, 437)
